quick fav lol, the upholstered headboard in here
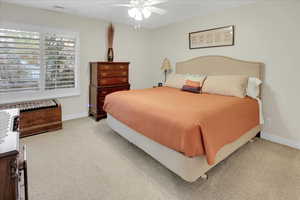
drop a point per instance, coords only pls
(220, 65)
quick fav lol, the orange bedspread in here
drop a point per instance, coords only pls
(194, 124)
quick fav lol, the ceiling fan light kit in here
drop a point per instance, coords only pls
(146, 12)
(132, 12)
(143, 9)
(139, 14)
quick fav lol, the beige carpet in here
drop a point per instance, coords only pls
(88, 161)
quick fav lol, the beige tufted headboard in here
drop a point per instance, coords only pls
(220, 65)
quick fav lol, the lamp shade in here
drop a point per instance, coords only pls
(166, 66)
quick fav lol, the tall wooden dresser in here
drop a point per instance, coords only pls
(105, 78)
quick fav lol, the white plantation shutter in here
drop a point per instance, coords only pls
(19, 61)
(37, 63)
(59, 57)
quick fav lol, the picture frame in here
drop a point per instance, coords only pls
(216, 37)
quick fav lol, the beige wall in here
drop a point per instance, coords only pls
(265, 32)
(129, 46)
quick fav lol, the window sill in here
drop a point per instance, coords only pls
(31, 96)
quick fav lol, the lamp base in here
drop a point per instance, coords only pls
(165, 76)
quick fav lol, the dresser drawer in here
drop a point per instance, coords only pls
(107, 67)
(107, 90)
(116, 73)
(112, 81)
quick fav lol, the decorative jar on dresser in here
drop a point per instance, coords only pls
(106, 78)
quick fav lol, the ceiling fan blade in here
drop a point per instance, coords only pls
(155, 2)
(122, 5)
(157, 10)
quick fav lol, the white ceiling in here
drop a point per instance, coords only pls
(177, 10)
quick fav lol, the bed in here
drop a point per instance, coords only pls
(187, 146)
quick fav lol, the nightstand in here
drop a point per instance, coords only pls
(158, 85)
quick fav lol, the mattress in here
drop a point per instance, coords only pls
(193, 124)
(189, 169)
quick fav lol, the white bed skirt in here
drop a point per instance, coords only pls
(189, 169)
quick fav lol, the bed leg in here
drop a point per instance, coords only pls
(255, 138)
(258, 135)
(204, 177)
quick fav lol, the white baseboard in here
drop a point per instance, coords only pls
(280, 140)
(74, 116)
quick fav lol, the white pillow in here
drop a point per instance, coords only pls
(226, 85)
(253, 88)
(178, 80)
(253, 91)
(175, 81)
(195, 77)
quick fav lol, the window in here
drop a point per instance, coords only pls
(19, 61)
(59, 61)
(37, 64)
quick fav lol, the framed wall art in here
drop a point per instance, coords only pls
(217, 37)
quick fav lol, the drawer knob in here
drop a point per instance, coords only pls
(122, 67)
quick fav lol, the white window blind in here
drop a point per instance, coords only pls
(59, 61)
(19, 60)
(37, 63)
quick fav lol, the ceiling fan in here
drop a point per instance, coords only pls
(142, 9)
